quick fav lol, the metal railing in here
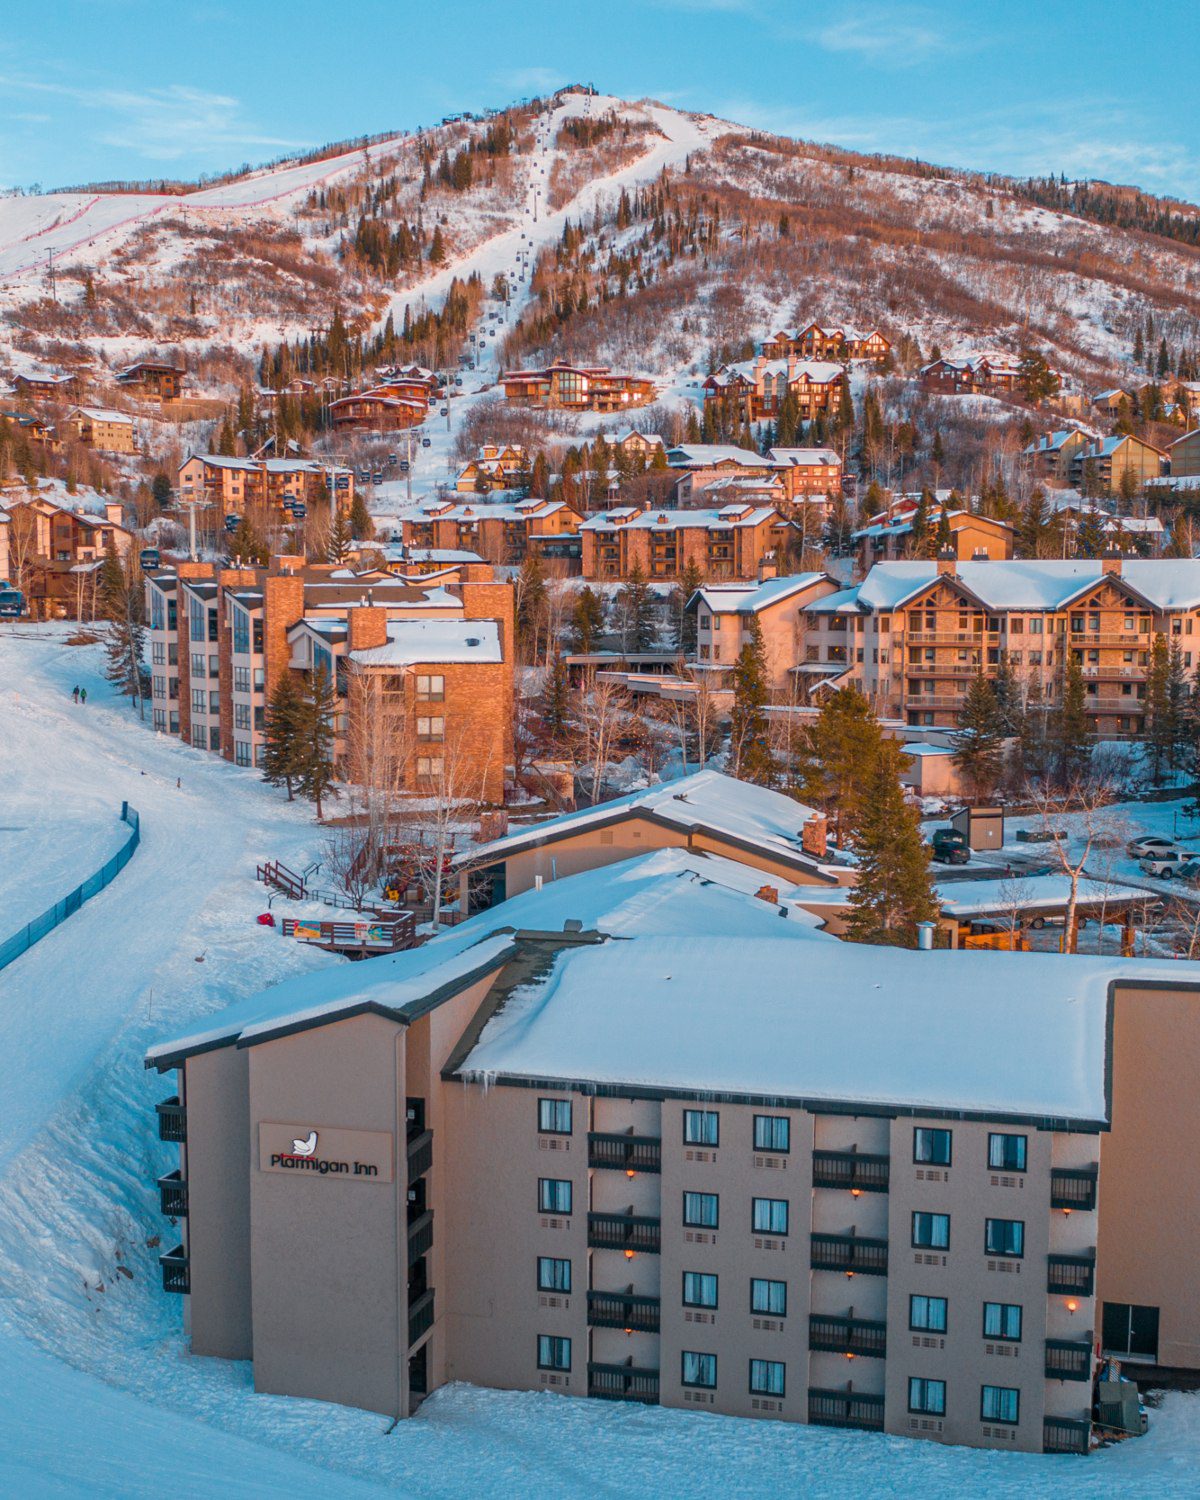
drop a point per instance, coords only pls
(420, 1316)
(624, 1232)
(625, 1153)
(24, 939)
(173, 1195)
(850, 1169)
(420, 1155)
(175, 1272)
(1071, 1273)
(847, 1336)
(420, 1237)
(846, 1252)
(1068, 1359)
(172, 1120)
(845, 1409)
(623, 1383)
(1073, 1187)
(623, 1310)
(1066, 1435)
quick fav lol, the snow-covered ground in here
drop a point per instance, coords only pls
(101, 1397)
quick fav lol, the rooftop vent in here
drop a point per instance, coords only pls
(472, 640)
(572, 924)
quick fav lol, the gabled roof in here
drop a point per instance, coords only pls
(802, 458)
(730, 517)
(750, 598)
(705, 455)
(1162, 583)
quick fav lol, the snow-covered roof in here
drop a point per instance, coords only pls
(414, 642)
(103, 414)
(703, 455)
(965, 898)
(1017, 1035)
(844, 602)
(675, 520)
(707, 800)
(802, 458)
(1164, 583)
(749, 598)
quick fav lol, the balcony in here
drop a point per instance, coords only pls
(173, 1195)
(172, 1120)
(623, 1310)
(1118, 705)
(850, 1254)
(176, 1276)
(1073, 1274)
(625, 1153)
(845, 1409)
(849, 1169)
(420, 1316)
(1073, 1187)
(847, 1336)
(420, 1154)
(934, 700)
(974, 638)
(623, 1383)
(624, 1232)
(1068, 1359)
(420, 1237)
(1066, 1435)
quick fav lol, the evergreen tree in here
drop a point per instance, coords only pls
(531, 605)
(437, 248)
(341, 537)
(112, 587)
(750, 756)
(943, 540)
(1035, 751)
(248, 545)
(843, 745)
(893, 891)
(1031, 528)
(919, 539)
(1071, 728)
(1037, 380)
(314, 739)
(1163, 368)
(556, 697)
(937, 453)
(636, 612)
(1090, 540)
(587, 620)
(683, 619)
(281, 756)
(979, 743)
(161, 491)
(361, 526)
(1160, 731)
(125, 648)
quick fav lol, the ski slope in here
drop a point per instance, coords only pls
(101, 1397)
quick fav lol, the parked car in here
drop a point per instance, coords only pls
(1190, 870)
(1149, 843)
(950, 847)
(1165, 863)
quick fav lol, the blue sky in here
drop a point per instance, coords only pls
(136, 88)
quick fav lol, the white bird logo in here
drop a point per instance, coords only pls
(306, 1147)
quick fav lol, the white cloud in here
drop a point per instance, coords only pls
(533, 80)
(890, 38)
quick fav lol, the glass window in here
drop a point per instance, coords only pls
(700, 1210)
(772, 1133)
(431, 689)
(699, 1289)
(1002, 1320)
(1007, 1152)
(429, 765)
(927, 1396)
(554, 1275)
(241, 716)
(553, 1353)
(931, 1231)
(554, 1195)
(241, 632)
(770, 1215)
(199, 701)
(554, 1116)
(1130, 1329)
(766, 1377)
(199, 664)
(699, 1369)
(241, 679)
(927, 1313)
(768, 1297)
(932, 1146)
(701, 1127)
(1000, 1403)
(241, 752)
(257, 635)
(431, 729)
(1005, 1237)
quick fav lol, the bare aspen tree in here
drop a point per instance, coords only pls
(453, 790)
(602, 709)
(379, 746)
(1087, 801)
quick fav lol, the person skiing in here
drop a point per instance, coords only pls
(83, 695)
(75, 693)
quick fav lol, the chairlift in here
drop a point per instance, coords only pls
(299, 511)
(377, 477)
(232, 522)
(404, 466)
(426, 442)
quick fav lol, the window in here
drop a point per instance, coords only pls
(431, 689)
(1000, 1403)
(214, 702)
(214, 736)
(241, 679)
(768, 1297)
(932, 1146)
(158, 654)
(429, 765)
(766, 1377)
(241, 716)
(241, 632)
(931, 1231)
(699, 1369)
(1129, 1329)
(160, 718)
(700, 1210)
(241, 752)
(1007, 1152)
(554, 1195)
(431, 729)
(1005, 1237)
(199, 737)
(553, 1353)
(257, 636)
(199, 701)
(554, 1275)
(770, 1215)
(928, 1396)
(701, 1127)
(199, 664)
(699, 1289)
(554, 1116)
(1002, 1320)
(772, 1133)
(927, 1313)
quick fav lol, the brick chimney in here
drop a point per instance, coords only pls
(1111, 561)
(283, 605)
(767, 568)
(114, 511)
(768, 893)
(947, 561)
(814, 836)
(286, 562)
(368, 626)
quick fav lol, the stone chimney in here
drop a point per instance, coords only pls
(368, 626)
(947, 561)
(791, 365)
(1111, 561)
(493, 824)
(767, 568)
(814, 836)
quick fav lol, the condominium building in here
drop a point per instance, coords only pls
(232, 486)
(757, 387)
(835, 341)
(436, 657)
(98, 427)
(889, 536)
(578, 388)
(566, 1147)
(912, 635)
(729, 542)
(726, 614)
(500, 531)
